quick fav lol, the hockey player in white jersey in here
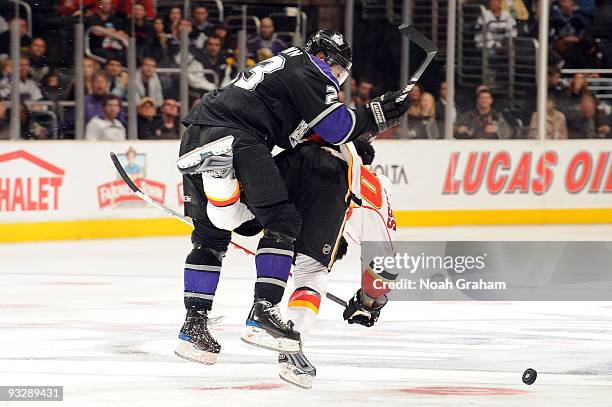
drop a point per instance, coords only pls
(333, 192)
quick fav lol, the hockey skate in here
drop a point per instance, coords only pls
(195, 340)
(266, 329)
(214, 158)
(294, 368)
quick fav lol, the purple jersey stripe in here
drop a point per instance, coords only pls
(335, 126)
(204, 282)
(273, 265)
(322, 65)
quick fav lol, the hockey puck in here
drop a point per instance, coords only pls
(529, 376)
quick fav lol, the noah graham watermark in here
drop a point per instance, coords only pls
(446, 284)
(432, 265)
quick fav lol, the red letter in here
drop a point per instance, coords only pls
(602, 161)
(542, 184)
(451, 185)
(520, 178)
(56, 183)
(582, 159)
(43, 194)
(18, 195)
(31, 204)
(494, 185)
(471, 181)
(5, 195)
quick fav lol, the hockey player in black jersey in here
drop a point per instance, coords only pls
(230, 133)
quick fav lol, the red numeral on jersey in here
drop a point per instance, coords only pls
(371, 189)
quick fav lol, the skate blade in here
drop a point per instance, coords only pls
(187, 351)
(286, 373)
(259, 337)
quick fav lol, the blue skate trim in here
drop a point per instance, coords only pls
(250, 322)
(184, 337)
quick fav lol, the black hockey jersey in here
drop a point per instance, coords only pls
(281, 98)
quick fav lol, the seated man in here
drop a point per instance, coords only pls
(107, 126)
(484, 122)
(495, 27)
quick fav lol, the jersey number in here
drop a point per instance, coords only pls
(254, 76)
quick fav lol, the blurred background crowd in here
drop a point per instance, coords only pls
(495, 87)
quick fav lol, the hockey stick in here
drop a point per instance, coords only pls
(126, 178)
(426, 45)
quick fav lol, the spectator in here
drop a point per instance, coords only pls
(570, 40)
(90, 67)
(51, 87)
(106, 126)
(5, 78)
(30, 128)
(105, 22)
(556, 125)
(160, 46)
(5, 39)
(117, 78)
(3, 26)
(39, 66)
(70, 8)
(424, 126)
(266, 39)
(202, 28)
(483, 122)
(517, 9)
(170, 125)
(221, 31)
(142, 27)
(578, 87)
(441, 105)
(363, 92)
(148, 83)
(5, 133)
(213, 58)
(29, 89)
(494, 27)
(588, 9)
(124, 7)
(556, 89)
(173, 20)
(414, 96)
(198, 83)
(94, 103)
(148, 123)
(589, 122)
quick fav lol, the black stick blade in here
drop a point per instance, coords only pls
(417, 37)
(126, 178)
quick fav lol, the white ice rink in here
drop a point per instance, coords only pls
(101, 318)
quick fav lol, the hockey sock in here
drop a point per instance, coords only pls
(303, 308)
(202, 271)
(273, 262)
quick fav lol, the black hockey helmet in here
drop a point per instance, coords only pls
(336, 50)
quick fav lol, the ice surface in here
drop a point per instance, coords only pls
(101, 318)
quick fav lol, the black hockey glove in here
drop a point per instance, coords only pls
(388, 109)
(357, 312)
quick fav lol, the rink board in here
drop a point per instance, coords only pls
(68, 190)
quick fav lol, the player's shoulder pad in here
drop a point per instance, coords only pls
(386, 183)
(313, 65)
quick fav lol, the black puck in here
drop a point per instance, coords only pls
(529, 376)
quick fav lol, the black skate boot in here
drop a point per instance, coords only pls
(195, 341)
(296, 369)
(266, 329)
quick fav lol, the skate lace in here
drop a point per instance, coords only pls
(202, 330)
(274, 312)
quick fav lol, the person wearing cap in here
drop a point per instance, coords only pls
(148, 121)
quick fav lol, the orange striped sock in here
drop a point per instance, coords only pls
(307, 298)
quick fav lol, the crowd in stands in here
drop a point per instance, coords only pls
(573, 112)
(212, 63)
